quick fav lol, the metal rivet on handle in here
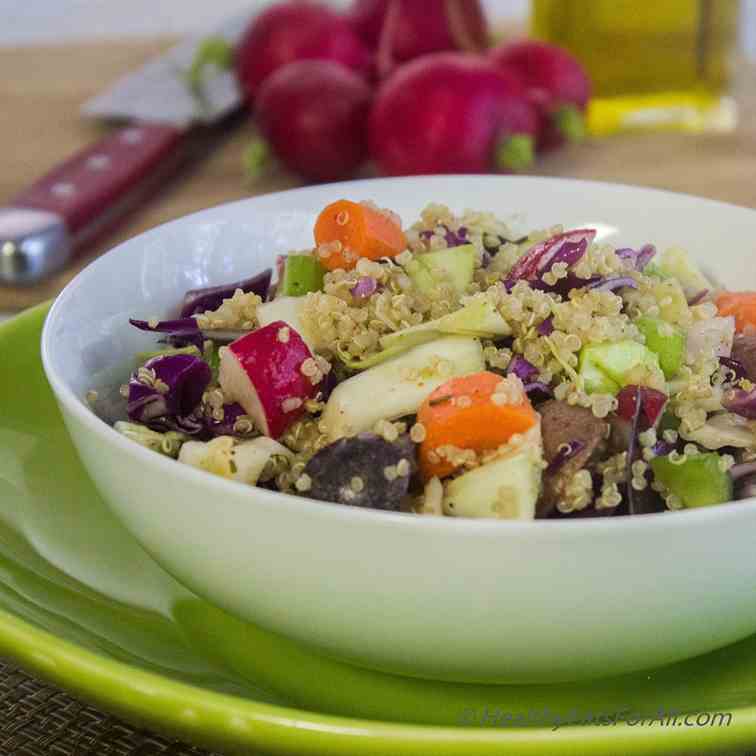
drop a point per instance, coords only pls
(63, 189)
(132, 136)
(98, 162)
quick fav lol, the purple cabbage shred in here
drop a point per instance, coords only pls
(564, 455)
(524, 370)
(211, 297)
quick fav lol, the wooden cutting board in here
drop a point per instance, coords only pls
(42, 88)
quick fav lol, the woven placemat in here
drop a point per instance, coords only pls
(37, 719)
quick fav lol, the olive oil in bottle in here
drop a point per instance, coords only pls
(662, 65)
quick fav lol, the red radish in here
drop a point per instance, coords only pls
(405, 29)
(296, 30)
(557, 84)
(451, 113)
(263, 372)
(652, 404)
(314, 114)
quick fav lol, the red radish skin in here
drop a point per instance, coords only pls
(407, 29)
(314, 114)
(451, 113)
(262, 370)
(556, 83)
(296, 30)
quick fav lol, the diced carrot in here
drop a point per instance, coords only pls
(741, 304)
(353, 230)
(477, 412)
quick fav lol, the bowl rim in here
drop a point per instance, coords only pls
(302, 506)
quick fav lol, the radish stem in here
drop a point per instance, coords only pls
(515, 153)
(256, 158)
(570, 122)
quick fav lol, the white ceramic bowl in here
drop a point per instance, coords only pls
(464, 600)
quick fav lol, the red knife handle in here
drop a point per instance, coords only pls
(81, 197)
(85, 187)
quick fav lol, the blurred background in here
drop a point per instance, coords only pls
(61, 20)
(660, 94)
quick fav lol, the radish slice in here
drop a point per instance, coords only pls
(262, 371)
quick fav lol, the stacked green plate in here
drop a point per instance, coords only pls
(82, 605)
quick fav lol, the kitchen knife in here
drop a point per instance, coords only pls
(49, 221)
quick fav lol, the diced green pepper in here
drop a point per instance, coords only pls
(455, 266)
(698, 481)
(302, 274)
(667, 341)
(606, 368)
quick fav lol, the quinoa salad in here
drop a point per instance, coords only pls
(452, 368)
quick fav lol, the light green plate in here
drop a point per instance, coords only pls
(83, 606)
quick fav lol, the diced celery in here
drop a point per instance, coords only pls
(455, 266)
(606, 368)
(666, 341)
(302, 273)
(698, 481)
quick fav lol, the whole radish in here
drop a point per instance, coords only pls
(314, 114)
(556, 83)
(296, 30)
(451, 113)
(405, 29)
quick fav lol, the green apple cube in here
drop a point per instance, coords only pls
(302, 274)
(455, 265)
(606, 368)
(698, 481)
(666, 341)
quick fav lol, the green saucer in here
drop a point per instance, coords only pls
(82, 605)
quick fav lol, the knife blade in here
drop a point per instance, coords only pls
(45, 224)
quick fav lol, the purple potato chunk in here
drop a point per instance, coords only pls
(362, 471)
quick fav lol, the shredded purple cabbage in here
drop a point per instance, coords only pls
(631, 449)
(568, 247)
(740, 471)
(546, 328)
(365, 287)
(638, 258)
(736, 366)
(211, 297)
(698, 298)
(453, 238)
(180, 332)
(662, 448)
(189, 424)
(564, 454)
(177, 388)
(538, 387)
(612, 284)
(524, 370)
(225, 427)
(741, 402)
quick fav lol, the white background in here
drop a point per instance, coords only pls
(29, 21)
